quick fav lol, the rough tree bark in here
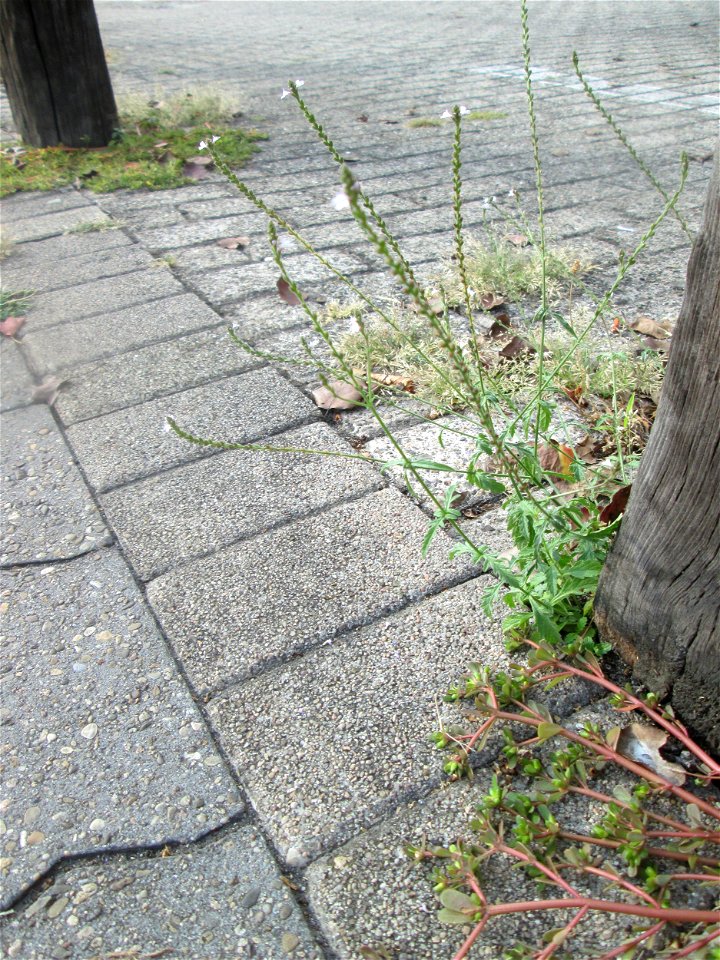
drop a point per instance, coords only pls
(658, 600)
(55, 73)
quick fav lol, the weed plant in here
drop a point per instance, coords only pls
(562, 508)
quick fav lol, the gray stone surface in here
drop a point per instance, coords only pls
(48, 512)
(16, 384)
(52, 224)
(357, 718)
(101, 296)
(85, 268)
(200, 507)
(159, 239)
(219, 899)
(146, 373)
(94, 338)
(262, 316)
(102, 744)
(299, 586)
(22, 206)
(34, 255)
(133, 443)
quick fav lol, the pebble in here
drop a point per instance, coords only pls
(31, 815)
(97, 825)
(89, 731)
(289, 941)
(251, 898)
(285, 911)
(56, 908)
(34, 838)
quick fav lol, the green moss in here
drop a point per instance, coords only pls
(150, 159)
(485, 115)
(419, 122)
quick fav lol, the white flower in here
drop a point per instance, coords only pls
(299, 83)
(463, 111)
(446, 115)
(285, 93)
(202, 145)
(285, 243)
(166, 427)
(340, 201)
(214, 139)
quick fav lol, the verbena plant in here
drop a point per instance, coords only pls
(556, 505)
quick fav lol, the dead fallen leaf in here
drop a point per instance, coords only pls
(589, 449)
(641, 742)
(389, 380)
(490, 300)
(286, 293)
(363, 118)
(576, 395)
(47, 391)
(649, 327)
(556, 458)
(197, 168)
(615, 324)
(616, 506)
(234, 243)
(501, 326)
(661, 346)
(515, 347)
(337, 396)
(10, 326)
(517, 239)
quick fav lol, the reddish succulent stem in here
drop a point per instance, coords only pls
(668, 914)
(653, 851)
(620, 881)
(629, 944)
(690, 949)
(668, 821)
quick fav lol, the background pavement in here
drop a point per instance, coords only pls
(221, 669)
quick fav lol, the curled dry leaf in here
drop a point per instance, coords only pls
(589, 449)
(501, 326)
(197, 168)
(556, 458)
(286, 293)
(234, 243)
(490, 300)
(10, 326)
(389, 380)
(337, 396)
(47, 391)
(660, 346)
(616, 506)
(650, 328)
(576, 395)
(515, 347)
(642, 743)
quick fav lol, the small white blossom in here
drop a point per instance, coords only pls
(166, 427)
(299, 83)
(463, 111)
(340, 201)
(285, 93)
(214, 139)
(285, 243)
(446, 115)
(202, 145)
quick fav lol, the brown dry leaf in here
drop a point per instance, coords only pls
(661, 346)
(589, 449)
(517, 239)
(389, 380)
(641, 743)
(649, 327)
(337, 396)
(515, 347)
(576, 395)
(363, 118)
(556, 458)
(10, 326)
(490, 300)
(616, 506)
(286, 293)
(234, 243)
(197, 168)
(501, 326)
(47, 391)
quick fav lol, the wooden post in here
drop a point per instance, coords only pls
(55, 73)
(658, 601)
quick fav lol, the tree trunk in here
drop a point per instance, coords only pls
(55, 73)
(658, 601)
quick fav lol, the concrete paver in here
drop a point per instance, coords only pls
(16, 384)
(222, 898)
(134, 442)
(69, 273)
(53, 224)
(48, 511)
(200, 507)
(102, 743)
(299, 586)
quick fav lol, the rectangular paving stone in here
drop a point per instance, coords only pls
(244, 608)
(101, 296)
(38, 253)
(205, 899)
(94, 338)
(77, 270)
(52, 224)
(202, 231)
(21, 206)
(357, 717)
(16, 383)
(158, 520)
(47, 509)
(103, 745)
(375, 866)
(133, 443)
(126, 379)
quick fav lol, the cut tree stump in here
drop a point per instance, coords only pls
(55, 73)
(658, 600)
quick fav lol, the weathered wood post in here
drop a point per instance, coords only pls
(658, 600)
(55, 73)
